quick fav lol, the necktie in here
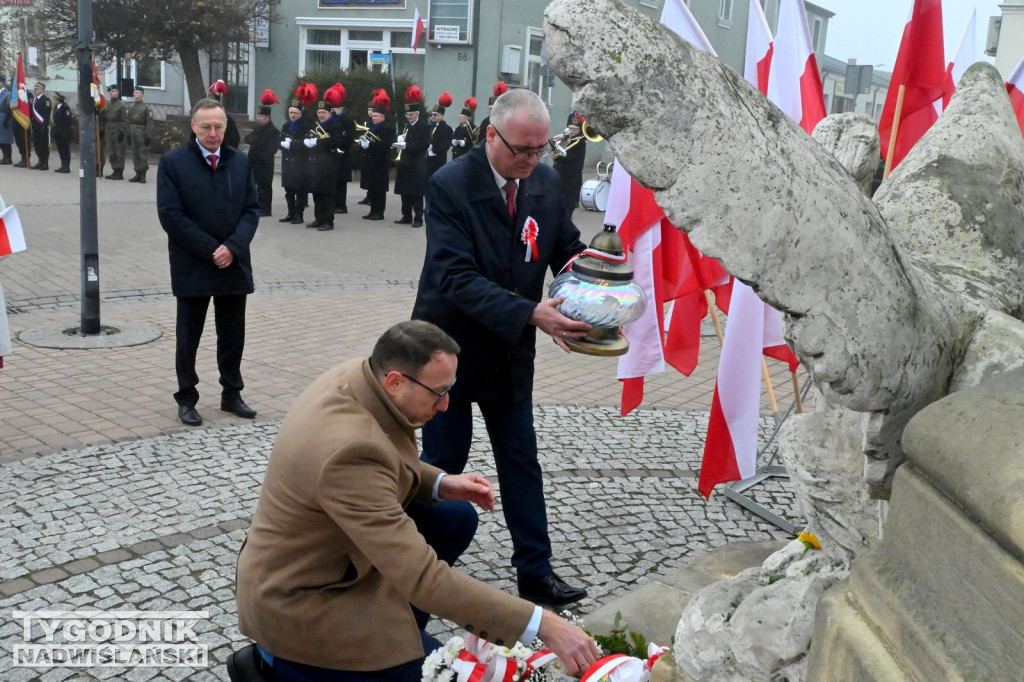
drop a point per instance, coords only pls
(213, 161)
(510, 192)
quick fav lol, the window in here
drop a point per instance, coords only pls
(401, 39)
(371, 36)
(322, 60)
(536, 69)
(321, 36)
(149, 73)
(816, 34)
(725, 10)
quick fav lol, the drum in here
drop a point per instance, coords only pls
(594, 194)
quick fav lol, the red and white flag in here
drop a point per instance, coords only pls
(1015, 87)
(794, 84)
(664, 262)
(921, 72)
(758, 62)
(96, 89)
(966, 54)
(417, 28)
(12, 238)
(754, 327)
(21, 111)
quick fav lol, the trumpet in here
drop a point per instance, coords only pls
(589, 133)
(324, 135)
(361, 128)
(367, 135)
(557, 146)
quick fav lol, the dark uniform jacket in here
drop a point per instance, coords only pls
(295, 160)
(63, 120)
(377, 157)
(346, 135)
(570, 169)
(324, 158)
(411, 167)
(263, 144)
(200, 209)
(476, 284)
(41, 108)
(332, 561)
(440, 142)
(463, 132)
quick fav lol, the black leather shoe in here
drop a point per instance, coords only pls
(373, 216)
(6, 162)
(246, 665)
(365, 201)
(326, 227)
(297, 220)
(417, 223)
(286, 219)
(550, 590)
(341, 209)
(20, 164)
(315, 223)
(189, 416)
(238, 408)
(403, 221)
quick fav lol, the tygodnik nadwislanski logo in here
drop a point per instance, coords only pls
(110, 639)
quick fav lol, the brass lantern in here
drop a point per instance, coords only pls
(599, 290)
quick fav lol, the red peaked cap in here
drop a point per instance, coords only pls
(500, 89)
(268, 97)
(219, 88)
(307, 94)
(470, 103)
(335, 95)
(445, 100)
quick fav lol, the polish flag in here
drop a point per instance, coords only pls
(96, 89)
(754, 327)
(760, 45)
(12, 238)
(920, 72)
(20, 110)
(794, 84)
(664, 262)
(966, 54)
(1015, 87)
(417, 28)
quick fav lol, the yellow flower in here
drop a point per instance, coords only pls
(810, 540)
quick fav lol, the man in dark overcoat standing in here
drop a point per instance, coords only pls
(496, 223)
(411, 163)
(209, 207)
(263, 143)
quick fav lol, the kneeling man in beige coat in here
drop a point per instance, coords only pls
(353, 538)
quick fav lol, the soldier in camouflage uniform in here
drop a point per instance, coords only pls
(139, 121)
(113, 116)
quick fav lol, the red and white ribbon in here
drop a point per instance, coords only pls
(594, 253)
(529, 237)
(623, 668)
(537, 661)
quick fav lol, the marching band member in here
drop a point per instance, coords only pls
(295, 157)
(263, 143)
(376, 144)
(411, 163)
(464, 136)
(440, 135)
(570, 153)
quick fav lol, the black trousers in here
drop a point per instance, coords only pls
(378, 199)
(229, 318)
(265, 189)
(296, 202)
(41, 144)
(323, 208)
(412, 206)
(64, 152)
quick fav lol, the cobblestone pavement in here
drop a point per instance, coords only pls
(108, 503)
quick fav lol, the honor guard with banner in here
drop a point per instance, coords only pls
(263, 144)
(113, 117)
(41, 110)
(345, 127)
(139, 122)
(440, 135)
(464, 136)
(411, 162)
(376, 145)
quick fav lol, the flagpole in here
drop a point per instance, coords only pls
(768, 385)
(895, 129)
(714, 317)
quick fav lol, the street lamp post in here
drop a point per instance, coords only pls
(90, 317)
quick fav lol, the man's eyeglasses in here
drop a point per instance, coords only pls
(440, 394)
(538, 154)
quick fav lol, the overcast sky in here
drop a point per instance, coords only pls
(870, 30)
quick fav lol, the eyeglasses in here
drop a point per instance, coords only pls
(521, 153)
(440, 394)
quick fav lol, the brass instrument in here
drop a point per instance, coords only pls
(591, 134)
(361, 128)
(368, 135)
(324, 135)
(557, 140)
(400, 149)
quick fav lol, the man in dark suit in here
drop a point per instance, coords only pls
(411, 163)
(496, 222)
(63, 120)
(440, 137)
(209, 207)
(353, 539)
(263, 143)
(376, 145)
(345, 126)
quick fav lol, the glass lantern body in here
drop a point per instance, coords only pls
(602, 303)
